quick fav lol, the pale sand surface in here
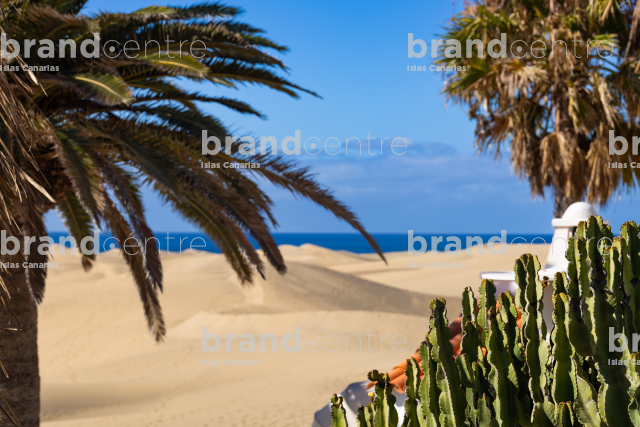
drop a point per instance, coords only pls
(100, 367)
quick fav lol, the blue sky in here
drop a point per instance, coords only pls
(354, 54)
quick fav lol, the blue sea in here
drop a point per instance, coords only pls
(181, 242)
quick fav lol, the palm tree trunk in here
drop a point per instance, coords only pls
(23, 384)
(562, 202)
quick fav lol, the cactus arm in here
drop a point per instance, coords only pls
(579, 300)
(487, 300)
(577, 270)
(580, 322)
(452, 398)
(581, 257)
(533, 326)
(629, 233)
(365, 415)
(613, 396)
(586, 404)
(413, 416)
(471, 341)
(544, 414)
(384, 401)
(502, 376)
(631, 272)
(564, 415)
(429, 391)
(468, 381)
(524, 419)
(521, 294)
(466, 371)
(619, 299)
(535, 292)
(634, 308)
(560, 283)
(614, 285)
(581, 338)
(572, 286)
(477, 386)
(509, 316)
(483, 412)
(362, 418)
(564, 372)
(598, 236)
(470, 352)
(469, 305)
(634, 390)
(592, 262)
(338, 414)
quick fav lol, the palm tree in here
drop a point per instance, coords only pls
(553, 106)
(110, 123)
(16, 186)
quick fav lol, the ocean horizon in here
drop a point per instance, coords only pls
(177, 242)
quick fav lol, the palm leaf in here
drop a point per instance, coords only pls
(80, 170)
(136, 263)
(78, 222)
(179, 65)
(104, 88)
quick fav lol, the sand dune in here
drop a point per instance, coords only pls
(100, 367)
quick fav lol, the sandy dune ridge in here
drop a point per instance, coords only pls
(100, 367)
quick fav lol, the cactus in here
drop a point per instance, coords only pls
(429, 391)
(452, 399)
(509, 371)
(564, 386)
(487, 301)
(381, 411)
(502, 376)
(338, 414)
(468, 306)
(413, 412)
(534, 329)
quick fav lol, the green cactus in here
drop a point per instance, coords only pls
(452, 398)
(487, 301)
(384, 410)
(471, 341)
(429, 391)
(413, 413)
(534, 329)
(338, 414)
(586, 404)
(365, 415)
(634, 390)
(484, 416)
(564, 415)
(510, 375)
(502, 376)
(564, 387)
(560, 283)
(469, 306)
(579, 325)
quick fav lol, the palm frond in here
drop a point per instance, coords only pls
(78, 222)
(136, 262)
(105, 88)
(80, 170)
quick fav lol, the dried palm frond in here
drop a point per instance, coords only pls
(553, 109)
